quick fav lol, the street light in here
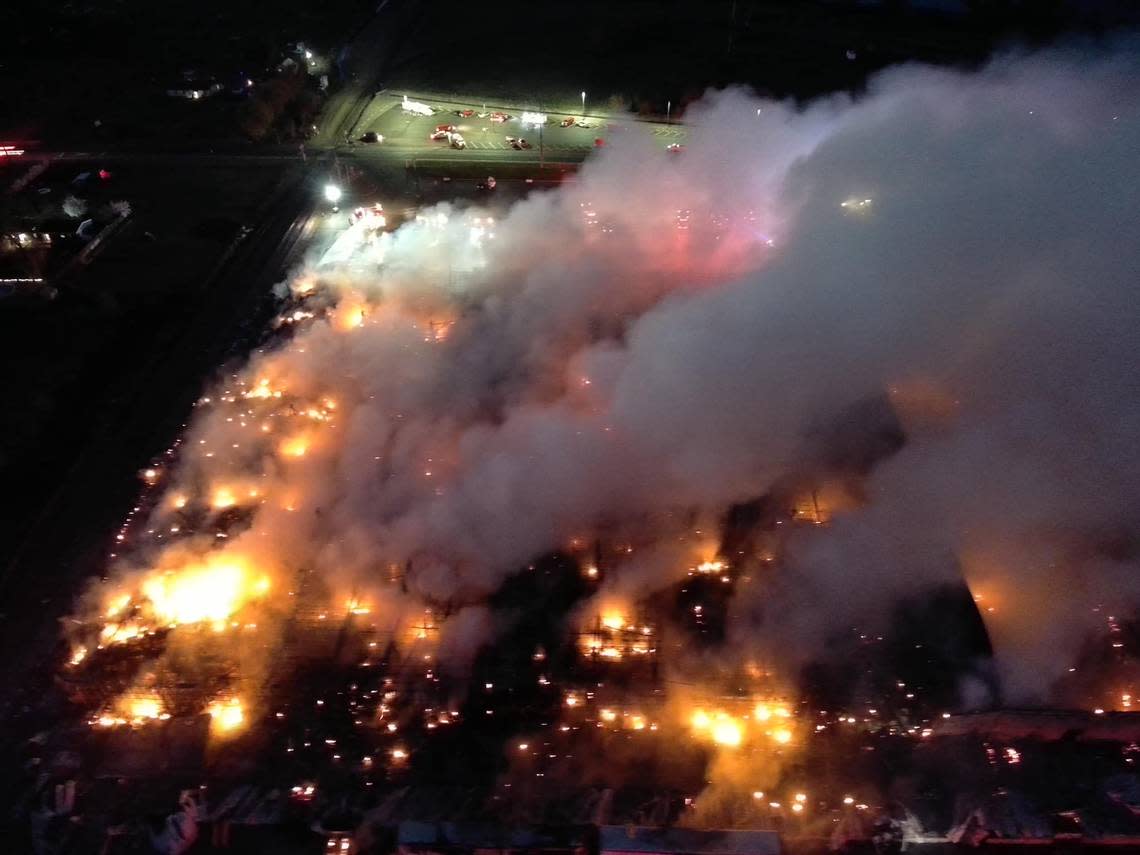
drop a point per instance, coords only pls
(583, 103)
(333, 194)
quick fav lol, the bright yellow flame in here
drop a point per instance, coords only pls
(710, 566)
(226, 715)
(608, 715)
(144, 707)
(294, 446)
(263, 390)
(209, 592)
(116, 633)
(727, 732)
(223, 498)
(762, 712)
(782, 736)
(722, 728)
(350, 317)
(117, 604)
(613, 620)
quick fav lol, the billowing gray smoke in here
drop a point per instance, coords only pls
(662, 334)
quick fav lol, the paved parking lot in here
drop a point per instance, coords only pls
(407, 134)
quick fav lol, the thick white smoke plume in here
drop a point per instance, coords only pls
(661, 336)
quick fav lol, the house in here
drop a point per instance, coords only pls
(194, 87)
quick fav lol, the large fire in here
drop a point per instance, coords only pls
(211, 592)
(767, 722)
(132, 709)
(208, 559)
(208, 591)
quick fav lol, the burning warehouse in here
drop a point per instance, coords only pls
(722, 520)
